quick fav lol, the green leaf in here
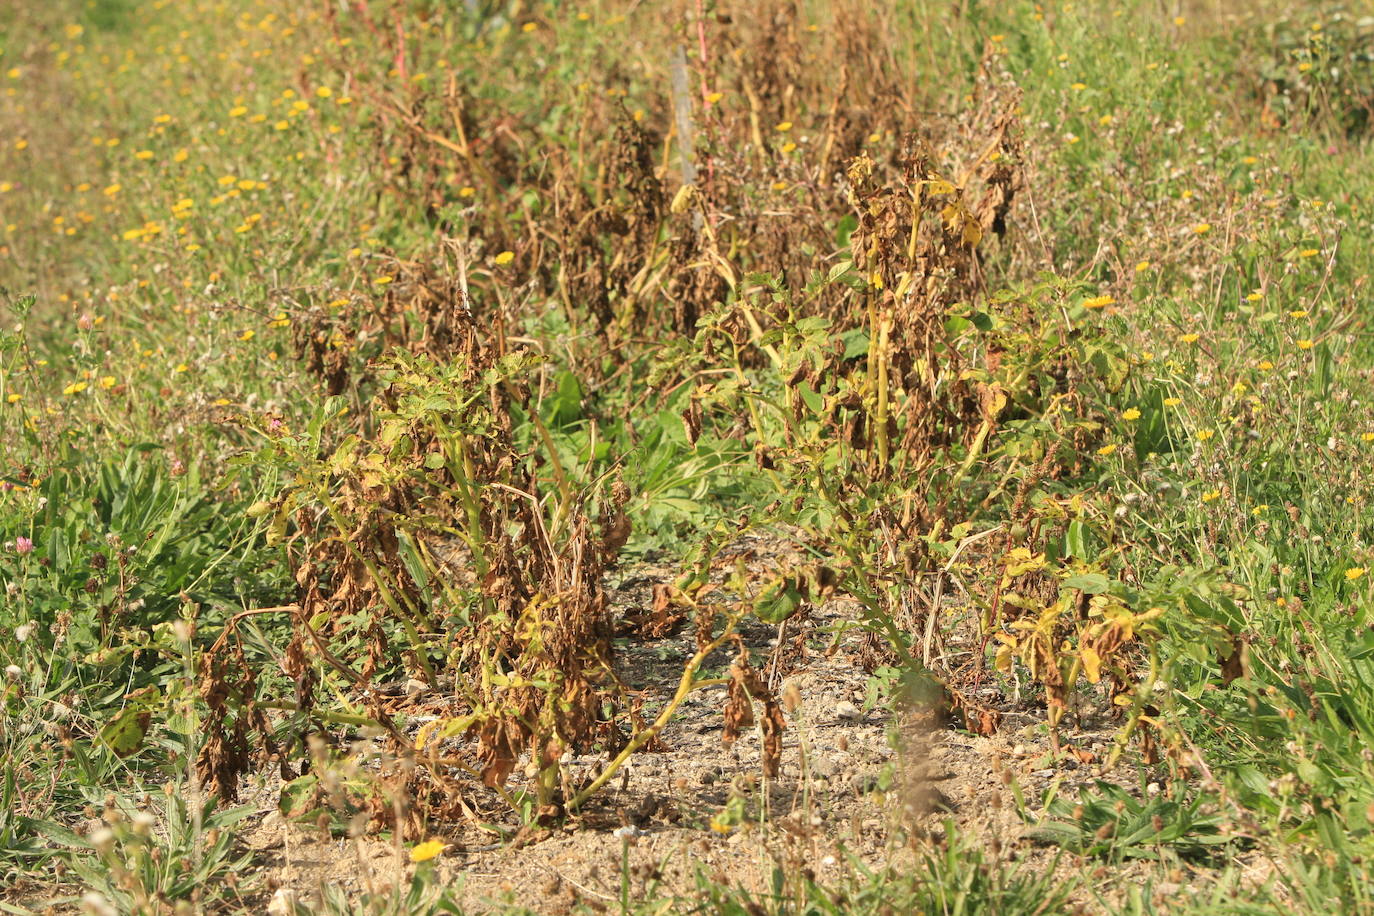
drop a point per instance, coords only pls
(1090, 583)
(124, 734)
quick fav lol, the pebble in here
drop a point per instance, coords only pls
(846, 711)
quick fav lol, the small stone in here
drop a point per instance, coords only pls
(283, 902)
(824, 766)
(846, 711)
(1019, 751)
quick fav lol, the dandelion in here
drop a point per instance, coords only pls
(1106, 450)
(247, 335)
(1354, 573)
(1188, 338)
(1304, 344)
(74, 388)
(1366, 437)
(783, 127)
(1172, 402)
(1298, 313)
(504, 258)
(1142, 266)
(1097, 302)
(430, 849)
(1202, 228)
(1205, 434)
(1211, 495)
(1309, 252)
(1256, 296)
(714, 97)
(1265, 365)
(107, 382)
(383, 281)
(323, 92)
(1130, 413)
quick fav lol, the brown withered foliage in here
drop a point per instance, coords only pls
(748, 686)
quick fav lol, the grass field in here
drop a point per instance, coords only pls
(360, 358)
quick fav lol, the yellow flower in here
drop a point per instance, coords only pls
(74, 388)
(1141, 266)
(430, 849)
(1210, 495)
(238, 111)
(13, 398)
(246, 335)
(1172, 402)
(1097, 302)
(1106, 450)
(107, 381)
(1298, 313)
(467, 191)
(1304, 344)
(1205, 434)
(504, 257)
(1367, 437)
(1188, 338)
(1354, 573)
(714, 97)
(324, 92)
(1130, 413)
(1309, 252)
(1265, 365)
(1202, 228)
(783, 127)
(383, 281)
(1256, 296)
(282, 125)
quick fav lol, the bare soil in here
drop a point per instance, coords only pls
(855, 787)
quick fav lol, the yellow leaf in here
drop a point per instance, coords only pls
(1092, 664)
